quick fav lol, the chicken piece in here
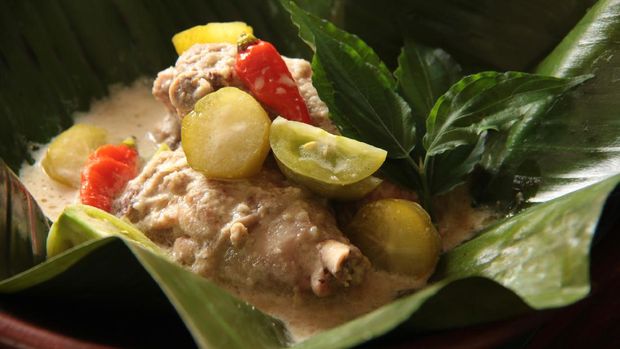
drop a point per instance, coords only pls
(168, 131)
(261, 232)
(200, 70)
(205, 68)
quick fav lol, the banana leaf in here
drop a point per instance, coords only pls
(480, 34)
(578, 142)
(52, 63)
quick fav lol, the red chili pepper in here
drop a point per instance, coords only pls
(264, 73)
(107, 171)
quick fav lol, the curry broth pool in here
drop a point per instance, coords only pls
(129, 111)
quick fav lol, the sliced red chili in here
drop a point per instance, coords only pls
(265, 74)
(106, 173)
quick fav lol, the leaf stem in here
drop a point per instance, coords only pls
(425, 195)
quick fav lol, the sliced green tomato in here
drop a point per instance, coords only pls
(397, 236)
(80, 223)
(68, 152)
(312, 155)
(226, 135)
(227, 32)
(332, 166)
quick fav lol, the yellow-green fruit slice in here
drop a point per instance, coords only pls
(226, 32)
(330, 165)
(80, 223)
(397, 236)
(226, 136)
(68, 152)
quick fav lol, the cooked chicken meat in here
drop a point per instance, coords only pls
(205, 68)
(262, 232)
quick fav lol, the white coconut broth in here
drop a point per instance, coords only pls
(133, 112)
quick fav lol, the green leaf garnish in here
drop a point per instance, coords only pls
(362, 100)
(478, 103)
(424, 74)
(357, 87)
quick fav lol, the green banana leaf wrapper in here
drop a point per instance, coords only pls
(56, 57)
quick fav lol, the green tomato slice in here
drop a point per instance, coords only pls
(316, 158)
(226, 136)
(80, 223)
(68, 152)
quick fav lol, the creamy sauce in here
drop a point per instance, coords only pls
(51, 195)
(305, 315)
(456, 220)
(132, 111)
(128, 111)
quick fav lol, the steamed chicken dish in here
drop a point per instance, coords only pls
(244, 179)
